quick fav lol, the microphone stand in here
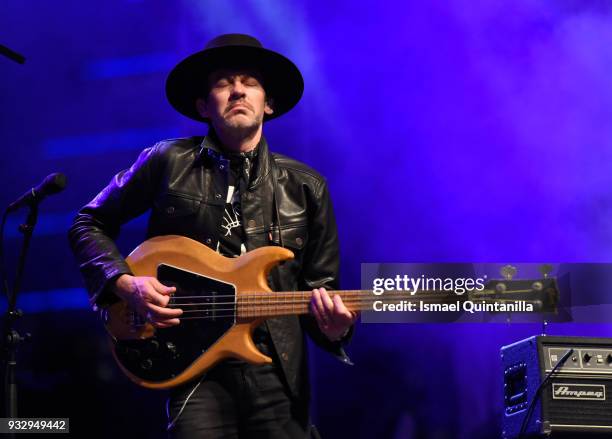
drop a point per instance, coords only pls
(12, 338)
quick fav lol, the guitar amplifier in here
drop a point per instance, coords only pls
(576, 402)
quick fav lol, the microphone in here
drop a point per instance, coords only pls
(52, 184)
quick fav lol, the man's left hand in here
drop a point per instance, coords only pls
(333, 317)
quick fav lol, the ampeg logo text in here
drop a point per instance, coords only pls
(589, 392)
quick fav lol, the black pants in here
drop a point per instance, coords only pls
(237, 400)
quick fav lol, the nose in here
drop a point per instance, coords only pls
(238, 88)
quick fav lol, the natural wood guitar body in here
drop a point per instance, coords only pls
(246, 273)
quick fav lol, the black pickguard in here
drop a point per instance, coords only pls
(170, 351)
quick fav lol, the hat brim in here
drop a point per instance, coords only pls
(186, 83)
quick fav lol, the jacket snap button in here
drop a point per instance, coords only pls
(251, 223)
(299, 241)
(218, 196)
(221, 167)
(208, 241)
(285, 356)
(170, 210)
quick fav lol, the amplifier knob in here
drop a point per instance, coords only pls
(587, 357)
(609, 358)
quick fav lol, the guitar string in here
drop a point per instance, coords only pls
(300, 295)
(264, 294)
(268, 293)
(218, 314)
(346, 300)
(276, 298)
(274, 302)
(223, 317)
(261, 300)
(264, 307)
(287, 301)
(335, 292)
(247, 311)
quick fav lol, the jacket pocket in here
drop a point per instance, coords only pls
(177, 205)
(294, 237)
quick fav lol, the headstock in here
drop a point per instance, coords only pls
(542, 293)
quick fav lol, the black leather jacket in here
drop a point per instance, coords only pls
(184, 182)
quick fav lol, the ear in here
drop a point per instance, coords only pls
(201, 107)
(269, 107)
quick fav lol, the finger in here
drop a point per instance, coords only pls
(314, 311)
(318, 303)
(323, 324)
(145, 293)
(157, 298)
(166, 323)
(340, 309)
(159, 313)
(327, 301)
(161, 288)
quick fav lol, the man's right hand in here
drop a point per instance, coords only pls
(149, 298)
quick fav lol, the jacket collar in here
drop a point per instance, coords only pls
(211, 152)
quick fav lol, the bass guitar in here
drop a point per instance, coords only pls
(223, 301)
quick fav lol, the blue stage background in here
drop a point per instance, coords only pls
(448, 131)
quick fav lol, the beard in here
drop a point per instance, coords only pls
(239, 128)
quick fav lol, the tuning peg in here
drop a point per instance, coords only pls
(508, 272)
(546, 269)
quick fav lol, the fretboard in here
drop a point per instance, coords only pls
(283, 303)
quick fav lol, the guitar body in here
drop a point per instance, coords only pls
(208, 288)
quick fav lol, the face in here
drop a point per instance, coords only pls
(236, 100)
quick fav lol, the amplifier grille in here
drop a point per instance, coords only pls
(576, 410)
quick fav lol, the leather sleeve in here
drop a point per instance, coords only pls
(96, 226)
(321, 267)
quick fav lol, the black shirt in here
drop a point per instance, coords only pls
(231, 241)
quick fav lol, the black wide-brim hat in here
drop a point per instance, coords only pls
(282, 80)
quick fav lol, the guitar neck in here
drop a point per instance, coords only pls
(275, 304)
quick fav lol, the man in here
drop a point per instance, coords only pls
(229, 192)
